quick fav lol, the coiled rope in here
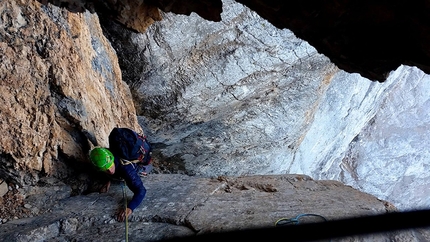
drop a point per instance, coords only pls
(286, 221)
(296, 220)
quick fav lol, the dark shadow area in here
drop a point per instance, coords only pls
(7, 171)
(325, 230)
(72, 6)
(370, 37)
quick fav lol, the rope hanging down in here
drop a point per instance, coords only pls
(125, 210)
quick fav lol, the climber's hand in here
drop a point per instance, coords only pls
(122, 214)
(105, 187)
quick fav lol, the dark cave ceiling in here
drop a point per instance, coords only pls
(369, 37)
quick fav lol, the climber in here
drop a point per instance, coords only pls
(105, 161)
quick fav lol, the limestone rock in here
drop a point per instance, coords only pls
(179, 205)
(61, 88)
(380, 141)
(227, 98)
(398, 132)
(255, 111)
(243, 97)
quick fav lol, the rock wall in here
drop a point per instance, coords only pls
(379, 143)
(62, 90)
(243, 97)
(180, 205)
(62, 93)
(390, 156)
(226, 98)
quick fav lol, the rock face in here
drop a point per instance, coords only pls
(61, 87)
(227, 98)
(398, 132)
(380, 141)
(243, 97)
(179, 205)
(237, 97)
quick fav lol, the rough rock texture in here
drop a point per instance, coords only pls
(231, 93)
(179, 205)
(398, 132)
(238, 100)
(367, 37)
(243, 97)
(380, 141)
(61, 87)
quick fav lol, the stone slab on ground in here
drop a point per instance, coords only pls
(181, 205)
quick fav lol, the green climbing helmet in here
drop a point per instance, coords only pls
(102, 158)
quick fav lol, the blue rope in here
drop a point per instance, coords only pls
(296, 220)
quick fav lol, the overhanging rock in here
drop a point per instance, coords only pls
(368, 37)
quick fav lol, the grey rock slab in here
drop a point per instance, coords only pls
(31, 229)
(137, 231)
(259, 201)
(172, 197)
(181, 205)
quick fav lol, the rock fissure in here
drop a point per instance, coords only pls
(187, 222)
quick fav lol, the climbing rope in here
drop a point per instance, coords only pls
(125, 211)
(296, 220)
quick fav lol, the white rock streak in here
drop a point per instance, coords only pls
(242, 97)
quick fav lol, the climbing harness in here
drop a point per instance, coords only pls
(125, 211)
(296, 220)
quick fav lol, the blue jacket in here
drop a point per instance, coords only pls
(133, 181)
